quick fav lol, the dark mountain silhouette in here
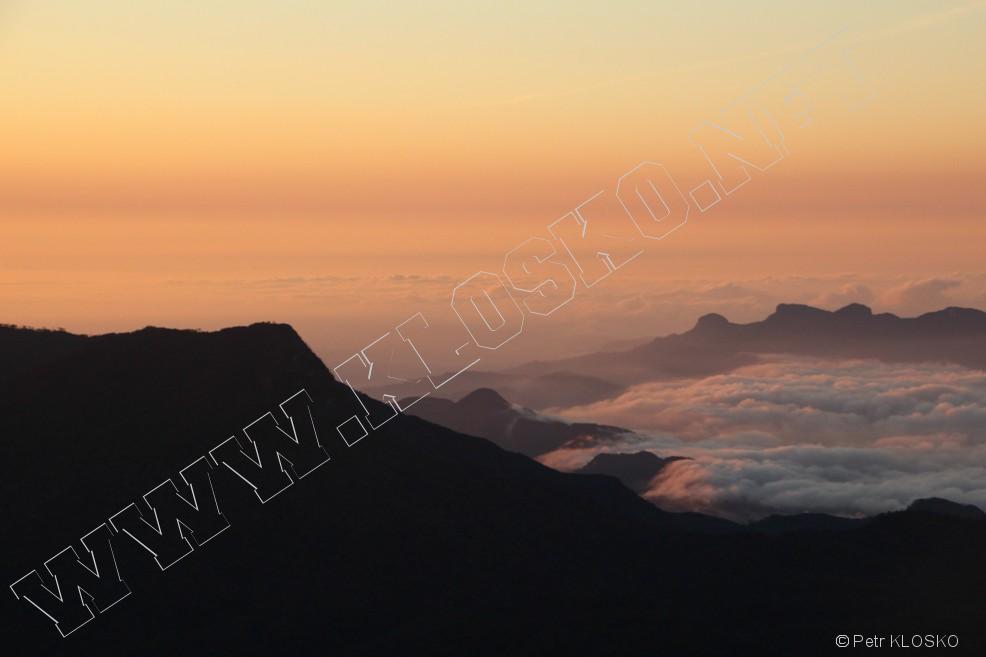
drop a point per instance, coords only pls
(801, 522)
(953, 335)
(715, 345)
(23, 350)
(540, 391)
(635, 470)
(416, 540)
(485, 413)
(939, 506)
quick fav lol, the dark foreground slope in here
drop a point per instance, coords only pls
(417, 540)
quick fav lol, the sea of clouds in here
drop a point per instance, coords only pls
(794, 435)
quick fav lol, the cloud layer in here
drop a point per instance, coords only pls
(749, 484)
(799, 434)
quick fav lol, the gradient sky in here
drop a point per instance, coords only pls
(337, 165)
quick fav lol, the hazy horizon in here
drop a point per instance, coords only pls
(306, 179)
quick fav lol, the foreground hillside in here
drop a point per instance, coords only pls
(416, 540)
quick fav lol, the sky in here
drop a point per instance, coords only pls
(341, 166)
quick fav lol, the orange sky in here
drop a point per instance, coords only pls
(183, 165)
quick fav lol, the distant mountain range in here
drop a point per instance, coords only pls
(485, 413)
(418, 539)
(635, 470)
(715, 345)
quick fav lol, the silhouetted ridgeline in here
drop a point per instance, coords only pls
(485, 413)
(715, 345)
(417, 540)
(635, 470)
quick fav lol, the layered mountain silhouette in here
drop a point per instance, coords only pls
(417, 540)
(805, 522)
(715, 345)
(822, 522)
(485, 413)
(635, 470)
(937, 505)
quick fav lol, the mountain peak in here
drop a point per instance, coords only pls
(711, 322)
(943, 507)
(485, 399)
(854, 310)
(796, 311)
(643, 458)
(955, 312)
(635, 470)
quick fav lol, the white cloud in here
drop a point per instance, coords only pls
(799, 434)
(748, 484)
(796, 400)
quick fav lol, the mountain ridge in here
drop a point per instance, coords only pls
(417, 537)
(714, 345)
